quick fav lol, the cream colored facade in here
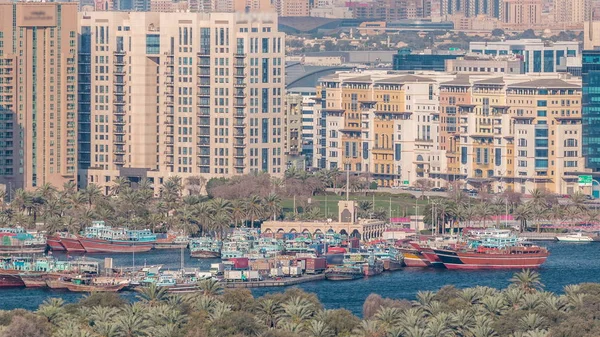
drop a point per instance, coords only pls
(571, 11)
(490, 131)
(182, 94)
(38, 94)
(293, 7)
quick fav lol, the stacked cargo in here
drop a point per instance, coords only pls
(315, 265)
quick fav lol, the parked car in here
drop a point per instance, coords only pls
(438, 189)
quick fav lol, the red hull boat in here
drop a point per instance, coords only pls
(105, 246)
(54, 242)
(509, 258)
(414, 258)
(429, 254)
(11, 281)
(72, 245)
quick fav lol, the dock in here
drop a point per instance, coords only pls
(284, 282)
(539, 236)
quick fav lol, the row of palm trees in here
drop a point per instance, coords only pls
(530, 211)
(522, 309)
(134, 206)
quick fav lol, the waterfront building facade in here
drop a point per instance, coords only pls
(38, 94)
(180, 94)
(488, 131)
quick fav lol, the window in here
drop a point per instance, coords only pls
(571, 142)
(522, 142)
(541, 113)
(542, 103)
(152, 44)
(463, 155)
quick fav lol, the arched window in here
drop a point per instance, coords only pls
(419, 158)
(571, 142)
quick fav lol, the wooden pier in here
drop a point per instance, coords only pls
(288, 281)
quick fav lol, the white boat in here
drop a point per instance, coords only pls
(576, 237)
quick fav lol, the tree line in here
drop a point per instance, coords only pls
(523, 309)
(187, 205)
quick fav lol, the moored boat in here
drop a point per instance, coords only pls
(17, 240)
(429, 254)
(414, 258)
(85, 284)
(576, 237)
(54, 243)
(72, 244)
(205, 248)
(172, 242)
(344, 273)
(514, 257)
(11, 281)
(107, 246)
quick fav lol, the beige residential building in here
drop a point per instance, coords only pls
(38, 94)
(522, 14)
(182, 94)
(490, 131)
(571, 11)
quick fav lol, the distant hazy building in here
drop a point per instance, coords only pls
(471, 64)
(538, 56)
(304, 99)
(294, 7)
(38, 94)
(406, 60)
(522, 14)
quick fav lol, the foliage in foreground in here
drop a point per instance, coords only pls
(521, 310)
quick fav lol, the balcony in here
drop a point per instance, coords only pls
(204, 102)
(119, 53)
(239, 115)
(203, 52)
(119, 111)
(119, 121)
(169, 131)
(119, 71)
(240, 64)
(118, 101)
(169, 103)
(204, 121)
(118, 61)
(240, 74)
(168, 141)
(119, 91)
(168, 152)
(119, 150)
(239, 55)
(204, 154)
(239, 144)
(204, 93)
(239, 103)
(239, 85)
(239, 124)
(169, 72)
(168, 162)
(118, 130)
(239, 94)
(169, 120)
(239, 135)
(204, 73)
(239, 154)
(239, 164)
(169, 80)
(169, 61)
(119, 160)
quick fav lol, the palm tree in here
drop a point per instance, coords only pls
(152, 295)
(319, 329)
(532, 321)
(272, 205)
(297, 310)
(130, 325)
(269, 312)
(388, 317)
(237, 212)
(210, 287)
(484, 211)
(118, 185)
(254, 209)
(528, 280)
(523, 213)
(91, 193)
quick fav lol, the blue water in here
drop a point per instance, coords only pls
(568, 263)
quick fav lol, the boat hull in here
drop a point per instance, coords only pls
(335, 276)
(414, 259)
(11, 281)
(167, 245)
(55, 244)
(334, 258)
(476, 261)
(205, 254)
(392, 265)
(72, 245)
(434, 260)
(30, 249)
(80, 288)
(104, 246)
